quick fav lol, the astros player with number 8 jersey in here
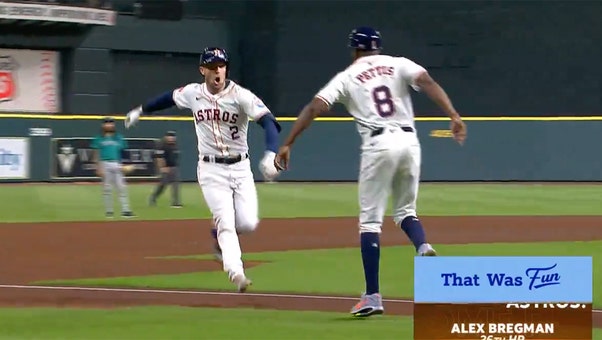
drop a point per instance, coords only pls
(373, 93)
(375, 90)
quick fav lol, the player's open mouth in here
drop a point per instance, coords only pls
(216, 81)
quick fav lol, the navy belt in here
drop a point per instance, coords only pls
(381, 130)
(225, 160)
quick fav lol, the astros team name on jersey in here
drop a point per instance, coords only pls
(221, 120)
(374, 72)
(211, 115)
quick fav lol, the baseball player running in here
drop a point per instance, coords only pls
(221, 110)
(109, 147)
(374, 89)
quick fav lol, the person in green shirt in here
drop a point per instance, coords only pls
(109, 146)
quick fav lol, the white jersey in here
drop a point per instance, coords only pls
(375, 91)
(221, 120)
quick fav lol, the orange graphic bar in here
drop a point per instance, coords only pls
(500, 321)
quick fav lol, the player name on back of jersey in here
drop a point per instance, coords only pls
(375, 72)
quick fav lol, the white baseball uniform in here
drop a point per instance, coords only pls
(221, 123)
(375, 91)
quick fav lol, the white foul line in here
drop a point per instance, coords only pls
(164, 291)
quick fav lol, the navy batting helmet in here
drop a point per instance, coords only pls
(214, 54)
(365, 39)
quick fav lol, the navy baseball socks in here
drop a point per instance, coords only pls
(371, 301)
(413, 228)
(370, 244)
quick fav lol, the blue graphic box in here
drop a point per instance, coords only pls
(503, 279)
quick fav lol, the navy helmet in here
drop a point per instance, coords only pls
(214, 54)
(365, 39)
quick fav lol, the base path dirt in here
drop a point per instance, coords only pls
(32, 252)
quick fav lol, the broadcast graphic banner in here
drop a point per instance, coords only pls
(72, 158)
(503, 298)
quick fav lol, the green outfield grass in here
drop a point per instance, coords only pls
(194, 323)
(339, 271)
(77, 202)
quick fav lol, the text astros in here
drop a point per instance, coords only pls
(215, 114)
(503, 328)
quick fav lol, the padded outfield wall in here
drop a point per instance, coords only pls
(497, 148)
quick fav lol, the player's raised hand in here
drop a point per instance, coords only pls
(132, 117)
(282, 158)
(267, 167)
(458, 129)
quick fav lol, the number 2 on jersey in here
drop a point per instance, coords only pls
(234, 131)
(383, 100)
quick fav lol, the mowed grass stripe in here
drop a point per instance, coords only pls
(313, 269)
(62, 202)
(193, 323)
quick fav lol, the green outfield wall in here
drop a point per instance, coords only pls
(497, 149)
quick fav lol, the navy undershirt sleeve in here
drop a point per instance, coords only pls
(161, 102)
(272, 128)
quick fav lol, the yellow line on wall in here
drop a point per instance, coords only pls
(292, 119)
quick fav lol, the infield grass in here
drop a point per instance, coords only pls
(194, 323)
(339, 271)
(83, 202)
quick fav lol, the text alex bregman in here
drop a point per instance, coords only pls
(514, 328)
(502, 328)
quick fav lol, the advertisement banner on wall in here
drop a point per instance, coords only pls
(73, 158)
(50, 12)
(29, 81)
(14, 158)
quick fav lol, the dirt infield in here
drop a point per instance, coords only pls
(30, 252)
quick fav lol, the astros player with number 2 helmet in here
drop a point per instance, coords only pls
(221, 110)
(375, 91)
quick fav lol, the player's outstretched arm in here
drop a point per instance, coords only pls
(272, 129)
(163, 101)
(436, 93)
(158, 103)
(312, 110)
(332, 92)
